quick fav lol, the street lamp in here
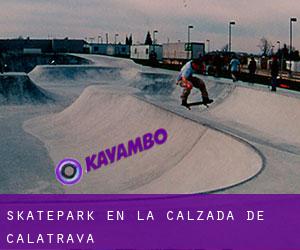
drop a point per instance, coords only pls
(208, 45)
(92, 39)
(154, 32)
(229, 44)
(189, 38)
(154, 42)
(106, 35)
(292, 19)
(116, 35)
(279, 45)
(281, 57)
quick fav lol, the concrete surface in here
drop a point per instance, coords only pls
(246, 142)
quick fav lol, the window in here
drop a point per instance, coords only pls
(135, 51)
(96, 49)
(147, 51)
(123, 49)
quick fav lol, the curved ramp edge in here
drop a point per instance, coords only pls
(18, 89)
(194, 159)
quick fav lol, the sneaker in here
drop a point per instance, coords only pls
(206, 100)
(184, 103)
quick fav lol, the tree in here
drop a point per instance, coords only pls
(265, 46)
(130, 40)
(225, 48)
(295, 55)
(148, 40)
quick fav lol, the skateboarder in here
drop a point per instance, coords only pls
(187, 81)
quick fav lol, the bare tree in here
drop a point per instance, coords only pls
(148, 40)
(225, 48)
(265, 46)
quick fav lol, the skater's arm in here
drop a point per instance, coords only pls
(183, 79)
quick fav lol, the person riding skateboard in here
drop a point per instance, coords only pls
(187, 81)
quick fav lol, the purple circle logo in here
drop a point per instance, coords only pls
(68, 171)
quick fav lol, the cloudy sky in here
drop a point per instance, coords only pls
(90, 18)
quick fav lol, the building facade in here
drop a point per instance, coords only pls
(120, 50)
(43, 45)
(177, 52)
(146, 52)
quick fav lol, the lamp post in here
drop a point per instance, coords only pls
(154, 32)
(92, 39)
(154, 41)
(279, 45)
(106, 35)
(208, 45)
(292, 20)
(231, 23)
(116, 35)
(281, 57)
(189, 39)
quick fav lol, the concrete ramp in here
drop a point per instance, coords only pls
(271, 115)
(154, 83)
(109, 61)
(75, 74)
(17, 88)
(194, 159)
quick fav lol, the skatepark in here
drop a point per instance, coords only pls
(248, 141)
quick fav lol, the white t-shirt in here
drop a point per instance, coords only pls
(187, 71)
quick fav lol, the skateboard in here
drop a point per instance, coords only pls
(189, 105)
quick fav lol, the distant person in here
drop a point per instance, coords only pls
(274, 72)
(252, 69)
(218, 65)
(235, 68)
(153, 57)
(187, 81)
